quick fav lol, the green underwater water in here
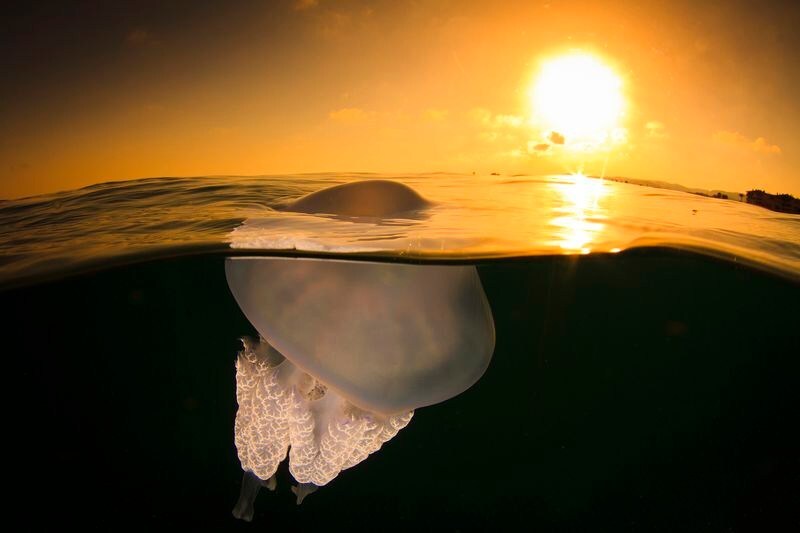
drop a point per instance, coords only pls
(647, 390)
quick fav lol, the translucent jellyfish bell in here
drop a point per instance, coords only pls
(369, 198)
(348, 350)
(387, 337)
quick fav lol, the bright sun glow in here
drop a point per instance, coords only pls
(579, 97)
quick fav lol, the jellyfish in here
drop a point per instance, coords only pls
(347, 350)
(368, 198)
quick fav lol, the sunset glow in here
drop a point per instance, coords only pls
(578, 97)
(290, 87)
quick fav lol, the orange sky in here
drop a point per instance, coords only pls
(283, 87)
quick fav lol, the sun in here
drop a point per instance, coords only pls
(580, 98)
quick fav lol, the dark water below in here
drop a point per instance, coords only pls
(651, 389)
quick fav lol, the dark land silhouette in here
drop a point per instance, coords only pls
(784, 203)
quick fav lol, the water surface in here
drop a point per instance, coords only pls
(472, 218)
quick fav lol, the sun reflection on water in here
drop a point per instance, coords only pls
(579, 219)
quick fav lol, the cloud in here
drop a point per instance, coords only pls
(482, 115)
(350, 115)
(540, 148)
(495, 121)
(512, 121)
(503, 129)
(140, 38)
(761, 145)
(302, 5)
(543, 147)
(656, 129)
(738, 140)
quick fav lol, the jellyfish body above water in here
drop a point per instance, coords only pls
(348, 350)
(368, 198)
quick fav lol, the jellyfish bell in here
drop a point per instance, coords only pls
(368, 198)
(387, 337)
(347, 351)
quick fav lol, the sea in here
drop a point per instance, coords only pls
(644, 377)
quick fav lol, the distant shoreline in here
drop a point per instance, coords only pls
(782, 203)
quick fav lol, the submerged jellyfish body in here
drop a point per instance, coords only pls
(348, 350)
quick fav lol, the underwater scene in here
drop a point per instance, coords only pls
(373, 351)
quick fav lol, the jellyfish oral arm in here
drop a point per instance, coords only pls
(251, 484)
(282, 409)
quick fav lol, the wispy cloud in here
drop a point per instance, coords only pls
(495, 121)
(759, 144)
